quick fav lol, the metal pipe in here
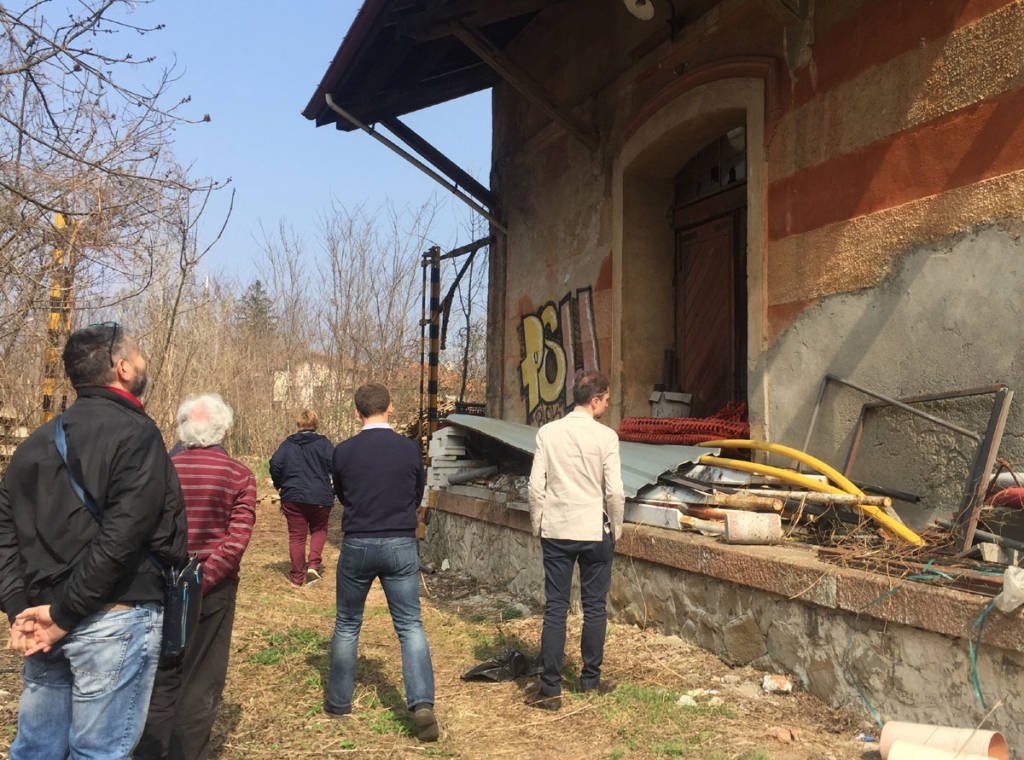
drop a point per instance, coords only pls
(443, 181)
(420, 428)
(464, 476)
(994, 538)
(814, 417)
(468, 248)
(1008, 543)
(446, 302)
(1004, 480)
(895, 402)
(435, 339)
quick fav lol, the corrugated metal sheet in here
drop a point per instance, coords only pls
(642, 463)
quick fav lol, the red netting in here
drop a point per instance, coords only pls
(1008, 497)
(728, 422)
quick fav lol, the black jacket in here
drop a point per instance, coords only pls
(52, 550)
(301, 469)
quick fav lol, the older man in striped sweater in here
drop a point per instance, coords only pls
(220, 500)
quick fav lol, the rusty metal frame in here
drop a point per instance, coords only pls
(905, 402)
(966, 519)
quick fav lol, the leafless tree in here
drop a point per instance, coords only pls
(85, 170)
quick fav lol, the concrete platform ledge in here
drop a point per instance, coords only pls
(777, 608)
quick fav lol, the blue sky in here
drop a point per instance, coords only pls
(253, 68)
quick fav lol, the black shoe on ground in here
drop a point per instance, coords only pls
(604, 686)
(426, 723)
(331, 711)
(544, 702)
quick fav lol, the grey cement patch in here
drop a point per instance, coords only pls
(946, 318)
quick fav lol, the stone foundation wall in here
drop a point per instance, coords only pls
(906, 673)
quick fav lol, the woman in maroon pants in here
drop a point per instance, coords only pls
(301, 471)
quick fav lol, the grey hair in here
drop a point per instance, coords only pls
(203, 420)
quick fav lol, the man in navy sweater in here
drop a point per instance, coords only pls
(378, 476)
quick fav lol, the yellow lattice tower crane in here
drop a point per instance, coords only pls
(58, 325)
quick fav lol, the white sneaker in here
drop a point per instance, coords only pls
(313, 576)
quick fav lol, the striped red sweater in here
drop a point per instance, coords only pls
(220, 501)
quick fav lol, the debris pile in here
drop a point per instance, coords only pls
(716, 489)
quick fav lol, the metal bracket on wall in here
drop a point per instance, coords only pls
(435, 157)
(988, 442)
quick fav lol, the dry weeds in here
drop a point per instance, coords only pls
(272, 706)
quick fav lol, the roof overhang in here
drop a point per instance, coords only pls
(402, 55)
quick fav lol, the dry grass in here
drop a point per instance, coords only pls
(272, 706)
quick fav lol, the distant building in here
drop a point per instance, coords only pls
(304, 385)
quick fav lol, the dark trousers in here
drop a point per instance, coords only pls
(185, 699)
(595, 561)
(303, 518)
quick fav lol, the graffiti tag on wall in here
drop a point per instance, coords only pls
(556, 341)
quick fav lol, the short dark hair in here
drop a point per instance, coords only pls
(588, 384)
(371, 399)
(89, 354)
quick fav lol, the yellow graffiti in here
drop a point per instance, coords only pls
(538, 351)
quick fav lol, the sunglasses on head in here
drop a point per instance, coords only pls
(114, 327)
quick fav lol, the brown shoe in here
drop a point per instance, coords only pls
(553, 703)
(426, 723)
(604, 686)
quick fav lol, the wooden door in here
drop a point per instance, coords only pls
(709, 218)
(705, 318)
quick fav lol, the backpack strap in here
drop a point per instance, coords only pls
(60, 440)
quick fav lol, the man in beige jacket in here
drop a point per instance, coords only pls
(576, 503)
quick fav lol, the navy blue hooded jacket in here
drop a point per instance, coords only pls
(301, 469)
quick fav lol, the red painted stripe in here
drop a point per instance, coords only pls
(879, 31)
(961, 148)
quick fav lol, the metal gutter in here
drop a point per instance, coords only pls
(642, 463)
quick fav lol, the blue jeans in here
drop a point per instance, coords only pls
(396, 561)
(88, 696)
(595, 561)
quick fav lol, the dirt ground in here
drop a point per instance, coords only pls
(272, 705)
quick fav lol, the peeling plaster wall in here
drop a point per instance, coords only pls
(885, 165)
(943, 319)
(900, 668)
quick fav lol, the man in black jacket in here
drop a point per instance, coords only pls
(83, 596)
(378, 476)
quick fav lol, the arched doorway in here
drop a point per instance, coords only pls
(659, 224)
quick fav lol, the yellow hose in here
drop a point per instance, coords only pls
(891, 526)
(815, 464)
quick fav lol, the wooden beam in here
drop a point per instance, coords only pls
(522, 82)
(384, 104)
(433, 24)
(440, 160)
